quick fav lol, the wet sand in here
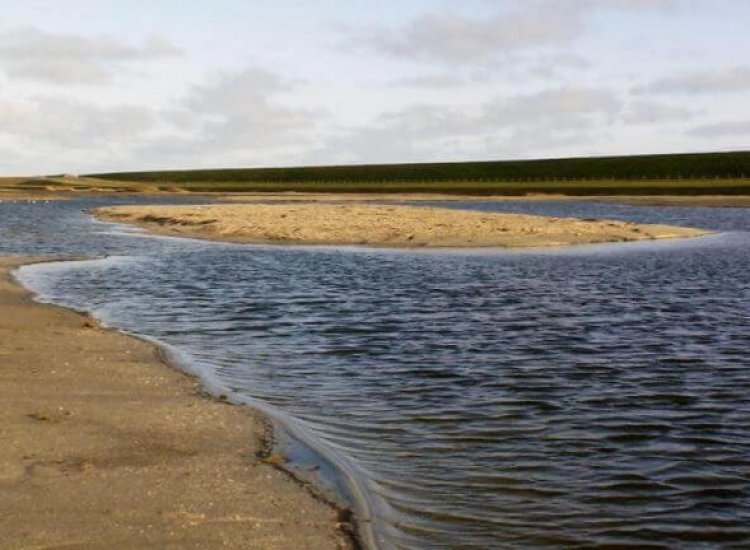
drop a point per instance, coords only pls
(392, 226)
(105, 446)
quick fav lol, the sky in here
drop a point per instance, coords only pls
(114, 85)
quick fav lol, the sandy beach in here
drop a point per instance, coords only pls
(392, 226)
(105, 446)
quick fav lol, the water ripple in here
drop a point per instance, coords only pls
(594, 398)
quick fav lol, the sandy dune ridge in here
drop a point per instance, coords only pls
(381, 225)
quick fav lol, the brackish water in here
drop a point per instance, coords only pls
(589, 397)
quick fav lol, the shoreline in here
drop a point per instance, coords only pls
(391, 226)
(726, 201)
(12, 193)
(127, 448)
(710, 201)
(68, 187)
(29, 197)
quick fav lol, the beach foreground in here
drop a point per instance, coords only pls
(108, 447)
(394, 226)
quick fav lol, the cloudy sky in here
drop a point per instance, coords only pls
(93, 85)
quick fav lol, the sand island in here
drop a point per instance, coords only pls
(381, 225)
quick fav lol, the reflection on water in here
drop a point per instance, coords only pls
(596, 397)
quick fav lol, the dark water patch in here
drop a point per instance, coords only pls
(595, 397)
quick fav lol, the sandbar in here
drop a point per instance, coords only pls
(381, 225)
(105, 446)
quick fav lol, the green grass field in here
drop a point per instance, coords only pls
(707, 173)
(688, 175)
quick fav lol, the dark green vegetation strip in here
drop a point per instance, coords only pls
(717, 173)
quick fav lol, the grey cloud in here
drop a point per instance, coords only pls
(458, 39)
(434, 81)
(417, 133)
(235, 115)
(235, 92)
(231, 118)
(733, 79)
(70, 124)
(555, 65)
(529, 25)
(243, 108)
(68, 59)
(554, 108)
(723, 129)
(550, 118)
(582, 5)
(512, 68)
(655, 112)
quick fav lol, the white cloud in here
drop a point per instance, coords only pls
(54, 58)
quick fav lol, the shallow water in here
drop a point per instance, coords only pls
(590, 397)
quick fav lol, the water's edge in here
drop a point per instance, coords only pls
(308, 463)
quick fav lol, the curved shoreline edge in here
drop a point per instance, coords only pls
(390, 226)
(354, 513)
(126, 440)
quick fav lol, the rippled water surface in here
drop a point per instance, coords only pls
(592, 397)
